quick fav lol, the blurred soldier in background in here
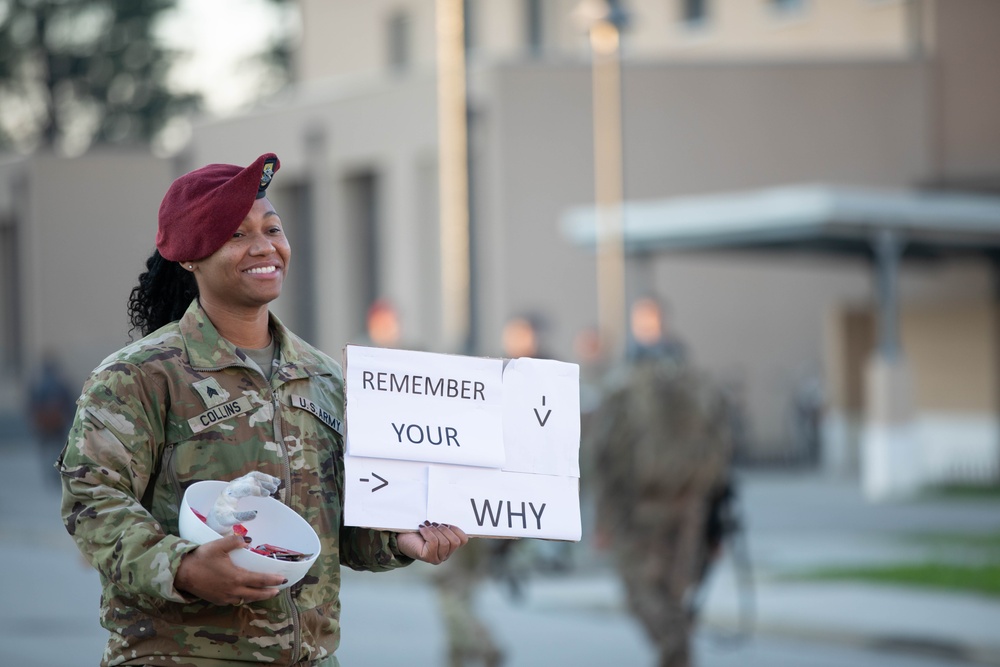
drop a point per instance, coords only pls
(588, 350)
(651, 334)
(384, 327)
(661, 453)
(470, 642)
(51, 404)
(382, 324)
(521, 336)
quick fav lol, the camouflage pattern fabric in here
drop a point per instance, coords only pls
(470, 641)
(660, 450)
(183, 405)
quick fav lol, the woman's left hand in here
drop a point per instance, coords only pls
(432, 543)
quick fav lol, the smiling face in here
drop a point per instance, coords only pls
(247, 272)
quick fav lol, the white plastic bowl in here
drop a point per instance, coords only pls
(275, 524)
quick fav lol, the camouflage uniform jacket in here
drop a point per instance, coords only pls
(184, 405)
(659, 436)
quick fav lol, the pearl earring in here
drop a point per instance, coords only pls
(191, 266)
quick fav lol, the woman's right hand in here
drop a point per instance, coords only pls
(209, 573)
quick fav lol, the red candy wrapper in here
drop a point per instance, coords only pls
(279, 553)
(239, 528)
(268, 550)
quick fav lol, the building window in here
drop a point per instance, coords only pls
(469, 26)
(694, 12)
(787, 6)
(398, 35)
(535, 26)
(362, 234)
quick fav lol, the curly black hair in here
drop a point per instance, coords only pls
(164, 292)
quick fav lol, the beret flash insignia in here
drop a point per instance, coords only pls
(265, 178)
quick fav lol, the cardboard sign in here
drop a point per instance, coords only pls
(541, 417)
(419, 406)
(489, 447)
(505, 504)
(381, 493)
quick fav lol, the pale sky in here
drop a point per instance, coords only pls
(221, 34)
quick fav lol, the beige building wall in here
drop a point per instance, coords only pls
(534, 160)
(349, 37)
(948, 335)
(877, 117)
(857, 28)
(849, 339)
(86, 226)
(951, 348)
(753, 320)
(967, 132)
(383, 127)
(346, 37)
(954, 357)
(867, 118)
(953, 352)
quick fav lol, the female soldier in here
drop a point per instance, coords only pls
(208, 394)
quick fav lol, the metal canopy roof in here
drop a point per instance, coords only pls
(808, 217)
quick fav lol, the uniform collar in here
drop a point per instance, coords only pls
(207, 350)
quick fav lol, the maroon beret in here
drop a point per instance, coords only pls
(203, 208)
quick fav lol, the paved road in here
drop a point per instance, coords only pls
(552, 628)
(50, 597)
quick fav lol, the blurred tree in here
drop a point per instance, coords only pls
(76, 72)
(277, 58)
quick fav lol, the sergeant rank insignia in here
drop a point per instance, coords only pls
(211, 392)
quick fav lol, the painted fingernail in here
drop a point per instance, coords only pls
(247, 539)
(284, 581)
(434, 524)
(427, 523)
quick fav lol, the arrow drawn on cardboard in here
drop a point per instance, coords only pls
(384, 481)
(541, 420)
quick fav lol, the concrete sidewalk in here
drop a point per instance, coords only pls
(796, 522)
(801, 522)
(48, 614)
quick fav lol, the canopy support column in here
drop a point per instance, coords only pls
(890, 456)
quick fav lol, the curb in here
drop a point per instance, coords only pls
(895, 644)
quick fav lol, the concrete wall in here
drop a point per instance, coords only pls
(951, 349)
(953, 352)
(967, 139)
(349, 37)
(838, 122)
(85, 228)
(948, 333)
(386, 128)
(737, 27)
(689, 128)
(754, 320)
(346, 37)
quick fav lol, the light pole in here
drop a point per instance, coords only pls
(453, 174)
(604, 20)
